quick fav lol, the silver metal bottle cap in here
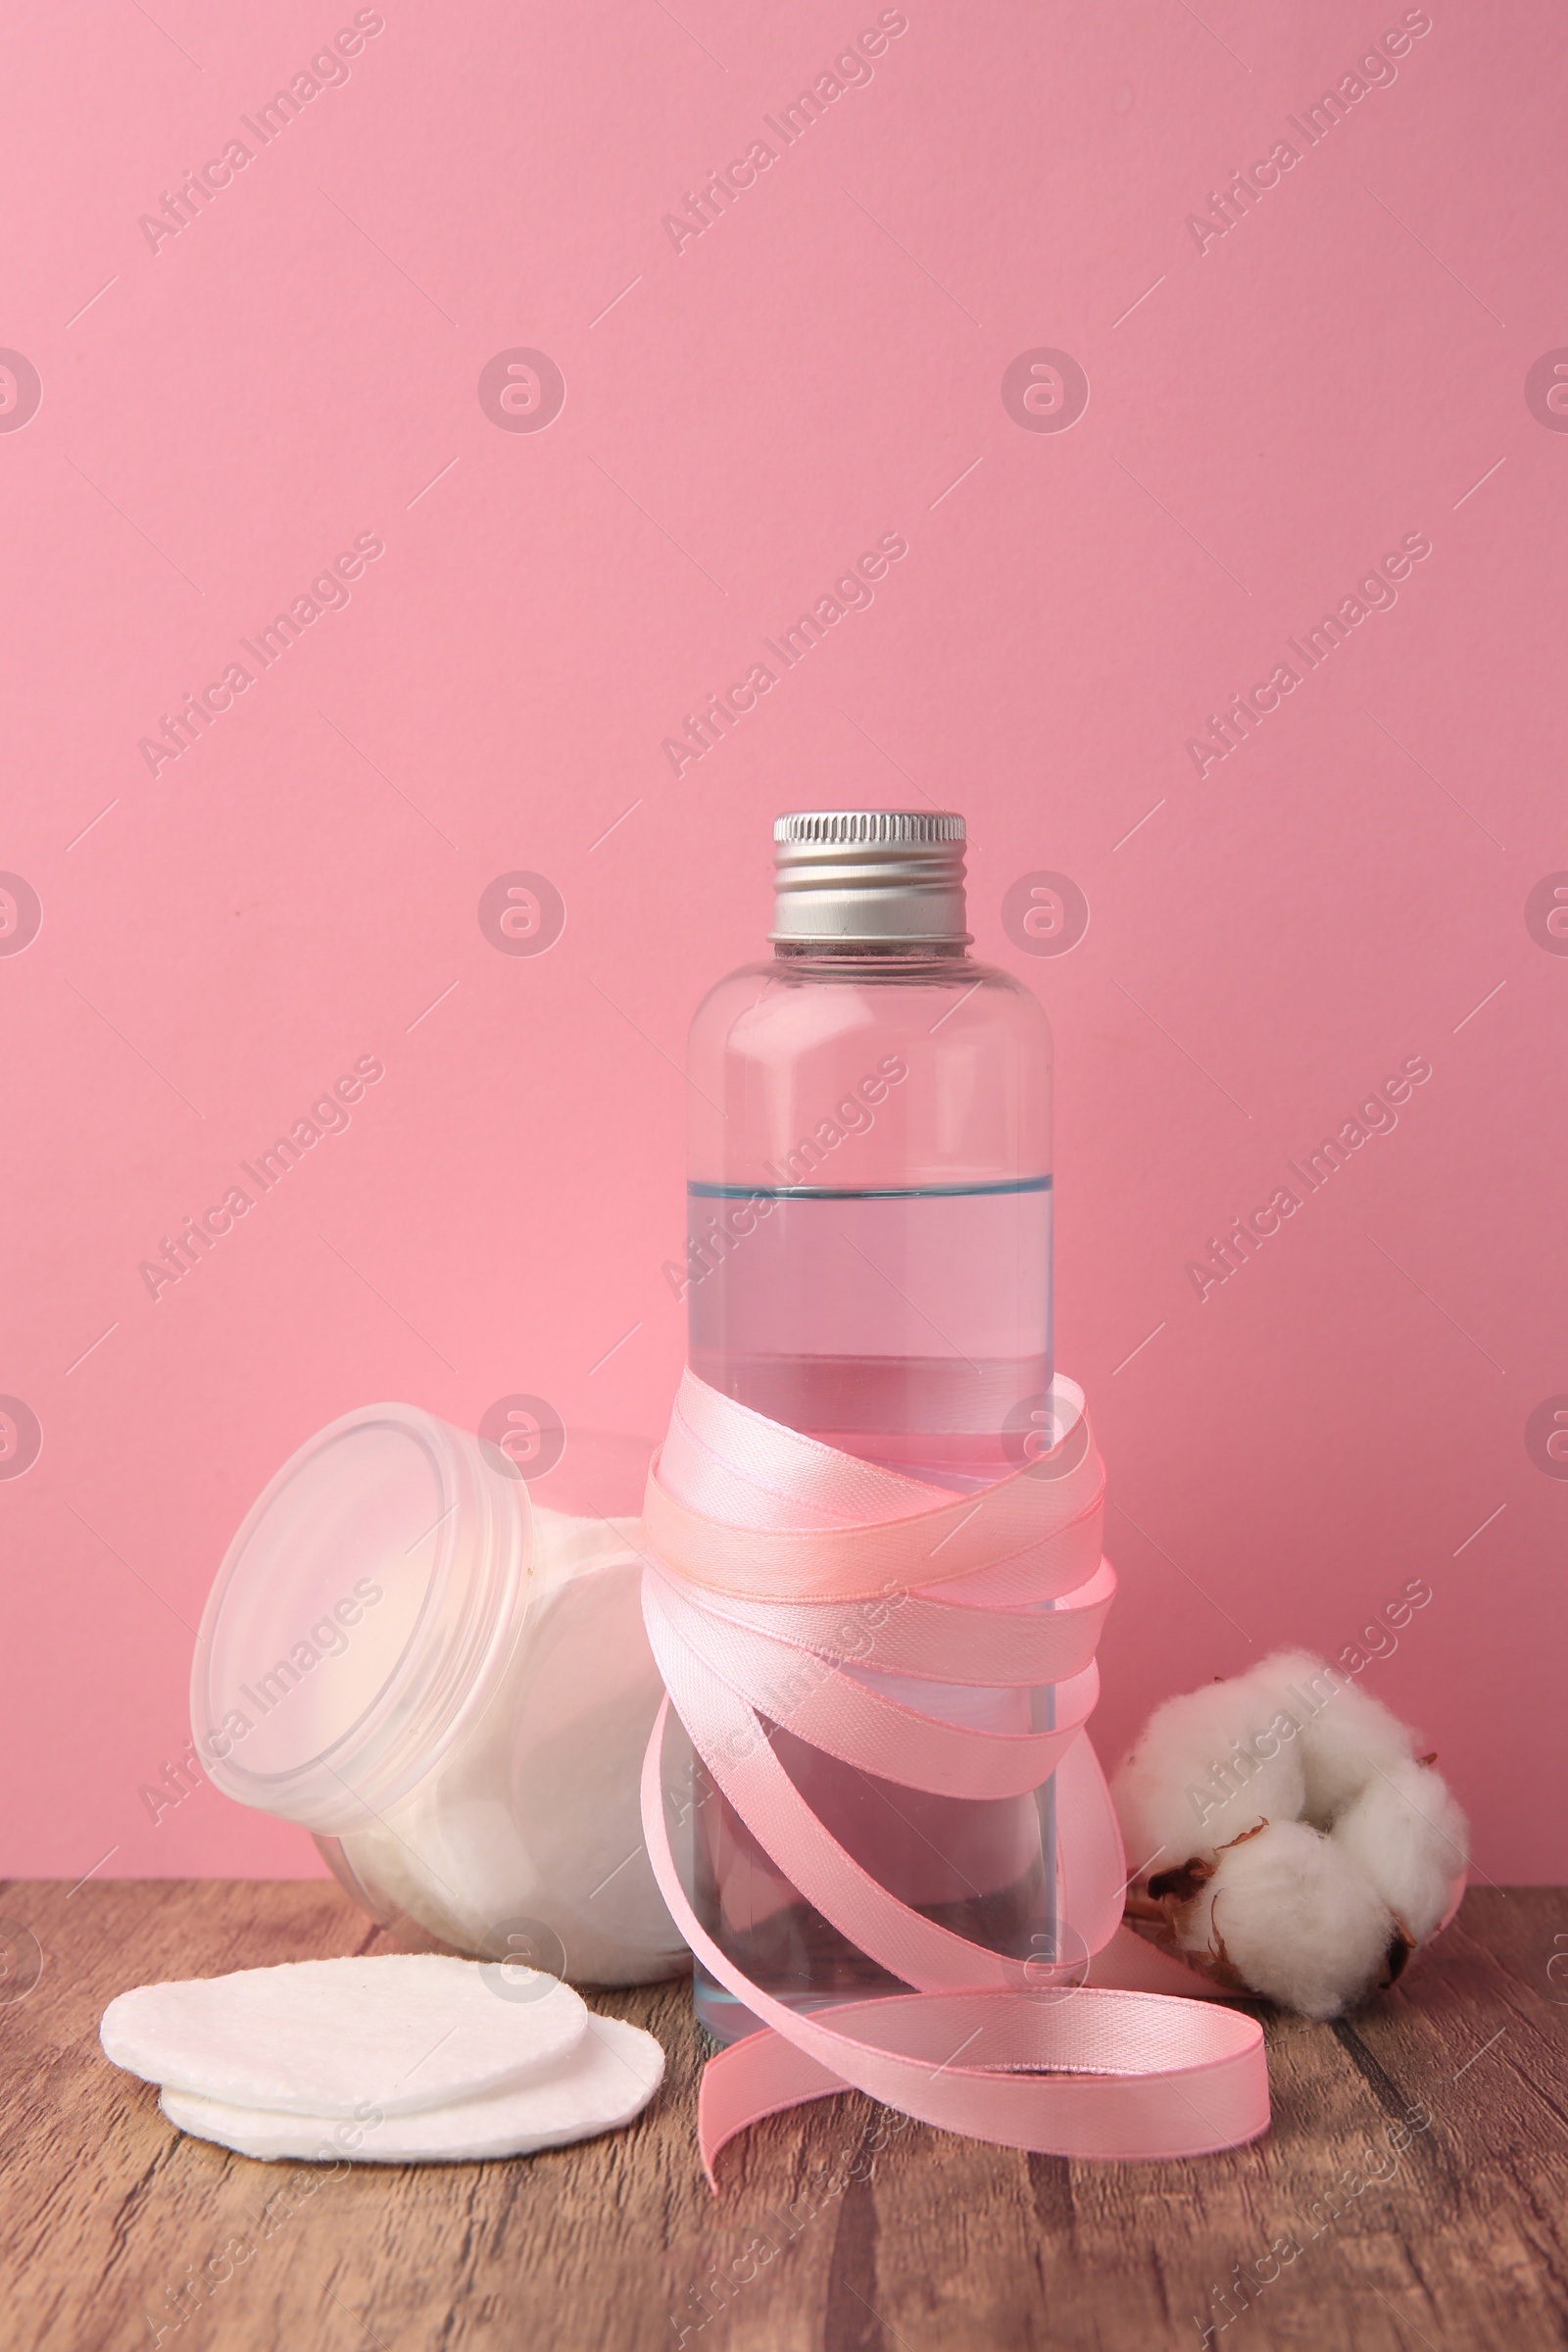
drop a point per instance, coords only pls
(849, 877)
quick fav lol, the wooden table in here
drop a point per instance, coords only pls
(1417, 2164)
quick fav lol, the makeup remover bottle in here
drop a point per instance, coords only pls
(868, 1261)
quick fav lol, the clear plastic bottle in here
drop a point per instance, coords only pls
(869, 1261)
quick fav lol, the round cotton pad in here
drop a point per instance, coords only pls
(610, 2077)
(400, 2031)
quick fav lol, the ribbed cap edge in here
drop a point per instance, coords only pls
(914, 827)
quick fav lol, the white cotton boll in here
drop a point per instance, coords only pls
(1408, 1839)
(1208, 1766)
(1295, 1917)
(1318, 1908)
(1344, 1735)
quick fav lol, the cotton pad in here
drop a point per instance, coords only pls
(536, 1814)
(400, 2031)
(610, 2078)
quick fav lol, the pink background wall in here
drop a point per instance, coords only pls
(1272, 410)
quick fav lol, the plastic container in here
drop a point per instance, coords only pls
(429, 1652)
(868, 1260)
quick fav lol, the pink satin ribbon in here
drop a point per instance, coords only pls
(783, 1570)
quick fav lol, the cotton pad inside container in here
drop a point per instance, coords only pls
(429, 1650)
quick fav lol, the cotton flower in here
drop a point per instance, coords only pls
(1288, 1838)
(1290, 1912)
(1406, 1836)
(1198, 1779)
(1346, 1735)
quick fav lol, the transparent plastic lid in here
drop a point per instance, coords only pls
(363, 1615)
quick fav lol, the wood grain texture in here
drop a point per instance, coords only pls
(841, 2228)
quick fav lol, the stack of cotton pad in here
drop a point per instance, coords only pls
(405, 2058)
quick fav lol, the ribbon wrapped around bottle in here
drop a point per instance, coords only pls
(759, 1538)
